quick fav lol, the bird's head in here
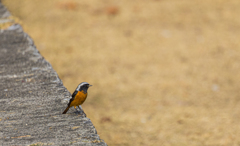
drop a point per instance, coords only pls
(83, 86)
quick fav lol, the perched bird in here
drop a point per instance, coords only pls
(78, 96)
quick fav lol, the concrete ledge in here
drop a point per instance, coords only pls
(32, 97)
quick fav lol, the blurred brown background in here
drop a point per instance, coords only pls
(164, 72)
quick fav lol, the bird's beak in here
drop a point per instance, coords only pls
(89, 85)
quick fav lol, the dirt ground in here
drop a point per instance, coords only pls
(164, 72)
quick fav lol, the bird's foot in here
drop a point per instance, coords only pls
(81, 113)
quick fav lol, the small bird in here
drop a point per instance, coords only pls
(78, 96)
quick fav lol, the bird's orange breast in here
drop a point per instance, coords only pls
(79, 98)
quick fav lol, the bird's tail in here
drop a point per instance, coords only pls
(66, 110)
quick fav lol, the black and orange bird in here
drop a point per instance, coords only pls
(78, 96)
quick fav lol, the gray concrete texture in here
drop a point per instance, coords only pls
(32, 97)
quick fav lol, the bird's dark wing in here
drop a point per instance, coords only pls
(74, 94)
(73, 97)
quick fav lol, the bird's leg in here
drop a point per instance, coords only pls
(79, 107)
(76, 109)
(81, 110)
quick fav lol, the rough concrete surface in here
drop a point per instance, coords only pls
(32, 97)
